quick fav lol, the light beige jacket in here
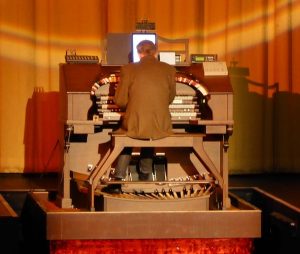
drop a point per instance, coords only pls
(145, 90)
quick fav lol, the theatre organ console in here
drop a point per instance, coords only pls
(190, 168)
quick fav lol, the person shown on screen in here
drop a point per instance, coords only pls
(145, 91)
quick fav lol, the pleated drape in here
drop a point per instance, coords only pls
(258, 39)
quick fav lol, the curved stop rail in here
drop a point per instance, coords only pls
(179, 77)
(120, 140)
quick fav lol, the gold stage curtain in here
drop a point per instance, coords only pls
(258, 39)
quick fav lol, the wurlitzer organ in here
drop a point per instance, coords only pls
(190, 169)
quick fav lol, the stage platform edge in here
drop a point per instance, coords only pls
(243, 220)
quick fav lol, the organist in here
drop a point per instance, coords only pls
(145, 91)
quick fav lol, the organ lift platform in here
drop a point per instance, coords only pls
(189, 188)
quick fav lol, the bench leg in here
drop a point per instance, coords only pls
(91, 190)
(99, 166)
(203, 156)
(101, 170)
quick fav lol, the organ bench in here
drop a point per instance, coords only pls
(120, 141)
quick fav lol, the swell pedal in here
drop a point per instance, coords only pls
(160, 167)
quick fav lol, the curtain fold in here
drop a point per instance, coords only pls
(258, 39)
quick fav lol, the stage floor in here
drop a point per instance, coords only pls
(278, 234)
(282, 186)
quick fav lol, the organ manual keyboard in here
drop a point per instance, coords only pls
(191, 167)
(183, 110)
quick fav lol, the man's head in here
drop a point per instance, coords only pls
(146, 48)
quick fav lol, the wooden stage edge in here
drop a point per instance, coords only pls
(241, 221)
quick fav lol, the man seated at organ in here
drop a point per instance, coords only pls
(145, 91)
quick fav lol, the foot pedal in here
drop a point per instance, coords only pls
(160, 167)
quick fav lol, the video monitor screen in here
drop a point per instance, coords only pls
(136, 39)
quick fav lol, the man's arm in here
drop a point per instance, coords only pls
(172, 85)
(121, 94)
